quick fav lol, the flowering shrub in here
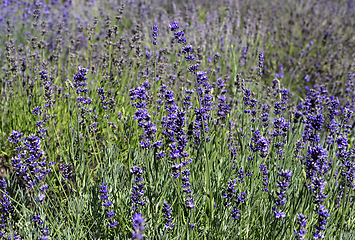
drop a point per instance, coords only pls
(175, 121)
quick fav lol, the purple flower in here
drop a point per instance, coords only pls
(281, 73)
(173, 26)
(316, 161)
(306, 78)
(107, 203)
(189, 203)
(66, 170)
(230, 195)
(37, 219)
(241, 176)
(302, 222)
(279, 214)
(193, 68)
(37, 111)
(15, 137)
(190, 58)
(186, 49)
(112, 223)
(263, 170)
(316, 121)
(280, 199)
(141, 114)
(40, 198)
(138, 226)
(202, 114)
(137, 189)
(168, 215)
(6, 208)
(103, 191)
(160, 155)
(321, 223)
(110, 214)
(155, 34)
(43, 229)
(278, 107)
(30, 162)
(317, 165)
(259, 144)
(283, 184)
(261, 63)
(223, 108)
(82, 90)
(185, 184)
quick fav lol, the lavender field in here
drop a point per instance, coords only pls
(139, 119)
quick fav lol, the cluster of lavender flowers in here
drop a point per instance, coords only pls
(30, 162)
(106, 100)
(223, 107)
(138, 226)
(259, 143)
(173, 124)
(155, 34)
(178, 35)
(302, 222)
(48, 88)
(45, 115)
(37, 219)
(250, 103)
(186, 185)
(142, 116)
(317, 165)
(187, 104)
(174, 130)
(280, 200)
(137, 189)
(168, 215)
(107, 204)
(265, 115)
(136, 198)
(40, 123)
(82, 99)
(6, 210)
(31, 165)
(347, 174)
(66, 170)
(264, 172)
(202, 112)
(180, 169)
(233, 198)
(281, 125)
(281, 73)
(261, 63)
(231, 143)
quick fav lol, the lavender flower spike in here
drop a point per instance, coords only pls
(138, 226)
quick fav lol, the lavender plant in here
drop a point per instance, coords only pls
(168, 120)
